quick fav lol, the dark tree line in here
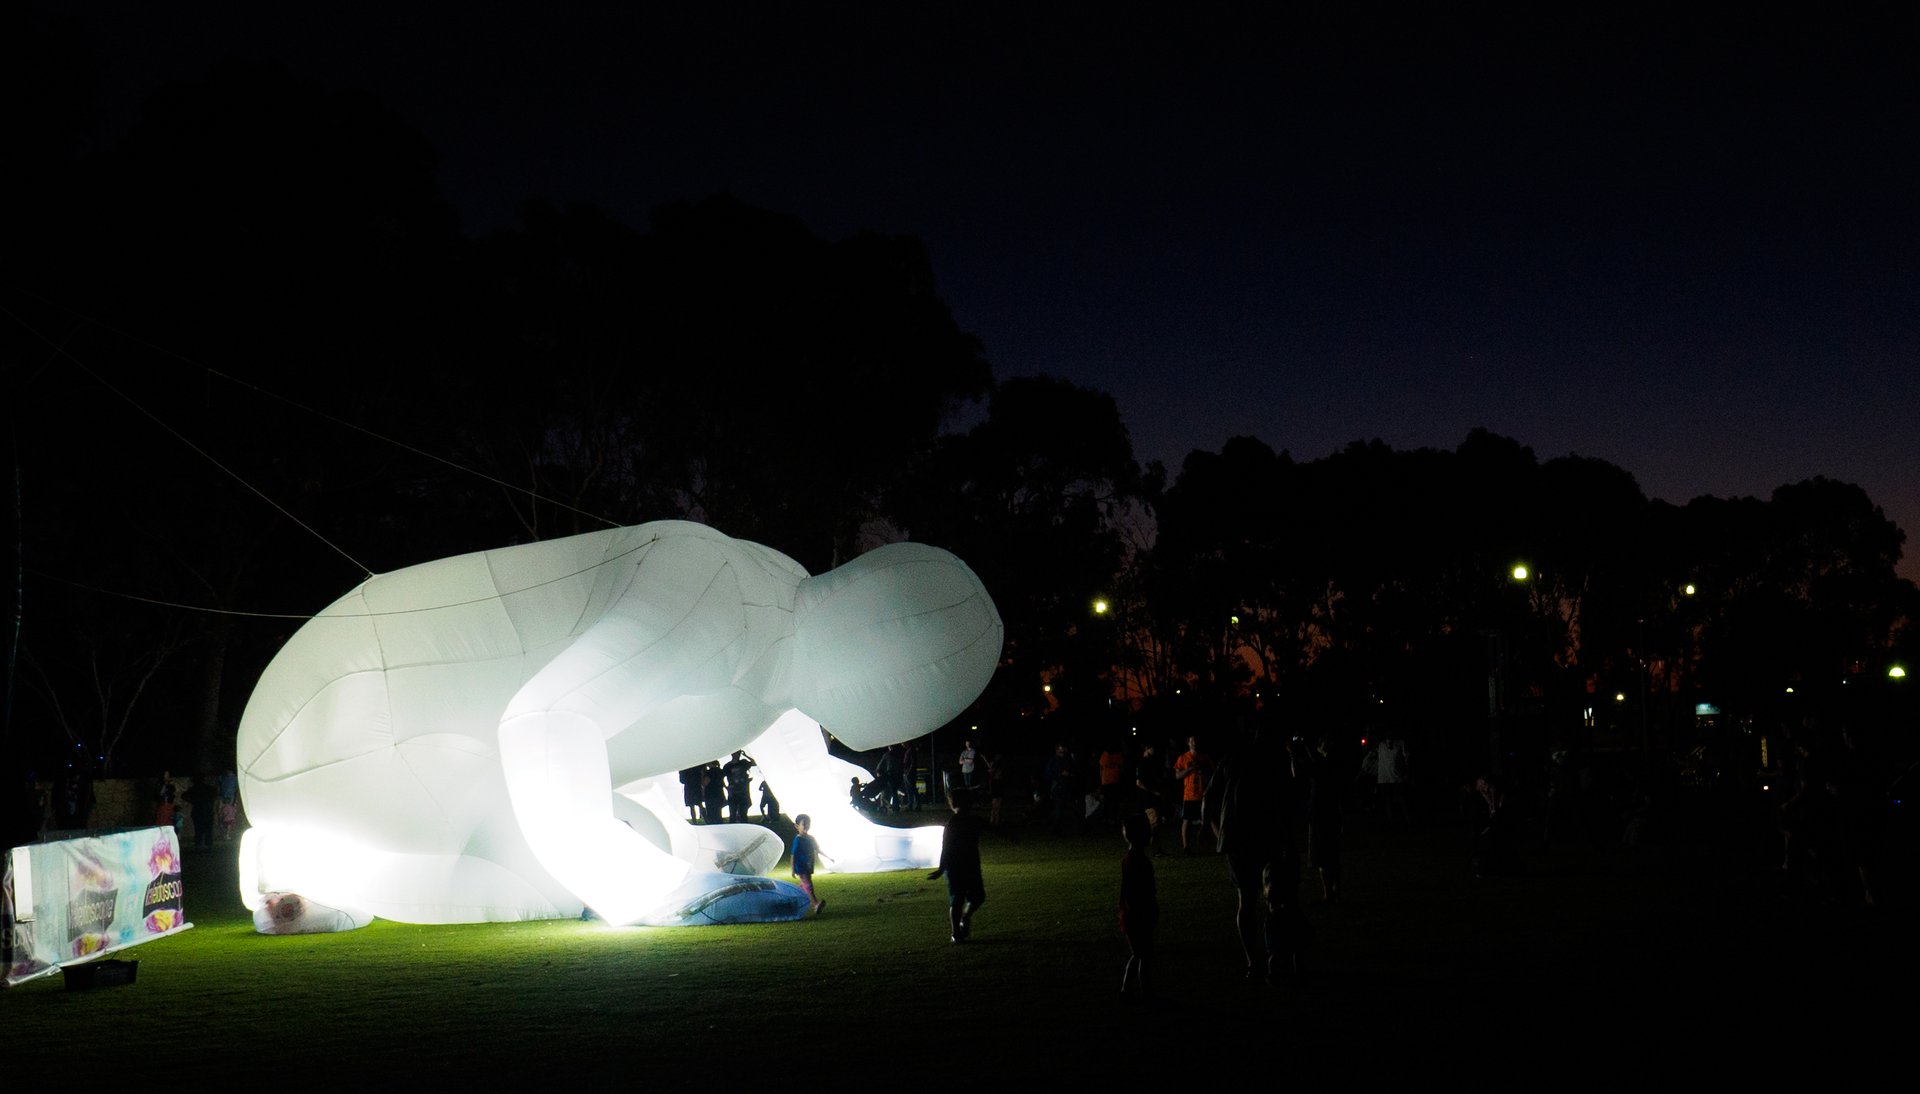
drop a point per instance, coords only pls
(1377, 589)
(251, 357)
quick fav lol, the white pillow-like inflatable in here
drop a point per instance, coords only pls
(492, 736)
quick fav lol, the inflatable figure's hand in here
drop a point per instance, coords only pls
(866, 847)
(730, 848)
(744, 848)
(794, 754)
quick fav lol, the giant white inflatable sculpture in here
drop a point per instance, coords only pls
(497, 736)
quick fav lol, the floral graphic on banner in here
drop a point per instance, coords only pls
(78, 899)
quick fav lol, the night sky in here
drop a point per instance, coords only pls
(1688, 249)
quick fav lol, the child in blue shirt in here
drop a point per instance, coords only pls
(805, 853)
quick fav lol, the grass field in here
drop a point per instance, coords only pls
(1595, 960)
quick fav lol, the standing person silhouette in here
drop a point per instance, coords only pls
(1139, 907)
(713, 791)
(886, 780)
(1149, 778)
(738, 773)
(165, 809)
(73, 800)
(1324, 793)
(1193, 769)
(969, 760)
(1112, 764)
(691, 792)
(997, 776)
(960, 864)
(1063, 789)
(1255, 797)
(909, 778)
(1388, 763)
(201, 797)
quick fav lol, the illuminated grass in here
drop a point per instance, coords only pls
(1598, 937)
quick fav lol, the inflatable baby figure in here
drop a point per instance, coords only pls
(491, 736)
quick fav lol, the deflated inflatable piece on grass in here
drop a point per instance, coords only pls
(490, 737)
(290, 913)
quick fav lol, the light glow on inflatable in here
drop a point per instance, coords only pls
(492, 736)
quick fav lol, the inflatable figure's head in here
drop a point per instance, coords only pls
(893, 644)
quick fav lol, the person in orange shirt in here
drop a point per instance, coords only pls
(1193, 769)
(1113, 774)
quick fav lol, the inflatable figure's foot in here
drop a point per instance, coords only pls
(852, 844)
(714, 898)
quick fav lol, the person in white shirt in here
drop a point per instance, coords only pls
(1387, 762)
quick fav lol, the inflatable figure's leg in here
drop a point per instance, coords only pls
(810, 780)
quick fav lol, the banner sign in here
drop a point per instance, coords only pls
(67, 901)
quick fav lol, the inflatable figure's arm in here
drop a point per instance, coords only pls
(667, 637)
(561, 791)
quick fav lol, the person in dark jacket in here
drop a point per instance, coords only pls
(1253, 799)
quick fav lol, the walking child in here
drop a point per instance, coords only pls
(805, 854)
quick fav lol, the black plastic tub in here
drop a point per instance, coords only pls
(105, 973)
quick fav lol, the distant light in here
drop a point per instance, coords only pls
(1897, 673)
(1619, 696)
(1234, 619)
(1689, 589)
(1789, 691)
(1046, 687)
(1519, 573)
(1100, 607)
